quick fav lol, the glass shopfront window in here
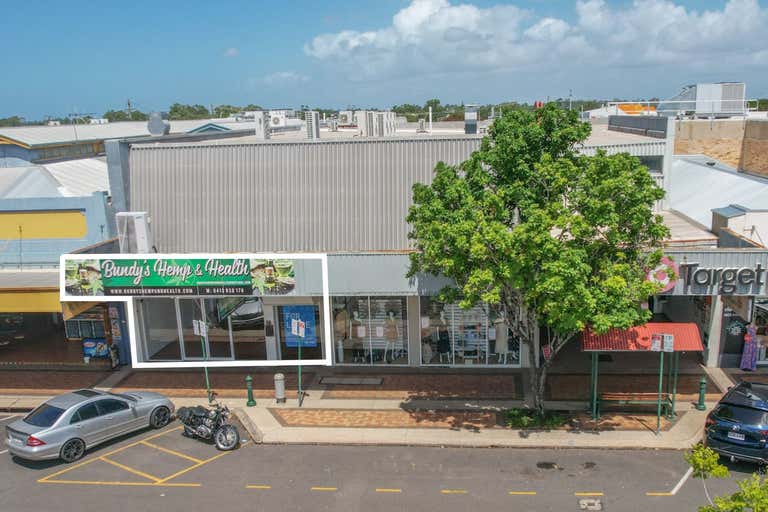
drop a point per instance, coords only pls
(370, 330)
(451, 335)
(300, 326)
(161, 330)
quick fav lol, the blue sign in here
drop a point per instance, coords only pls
(293, 316)
(95, 347)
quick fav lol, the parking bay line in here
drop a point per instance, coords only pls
(454, 491)
(94, 459)
(677, 487)
(263, 487)
(328, 489)
(172, 452)
(134, 484)
(385, 490)
(522, 493)
(131, 470)
(588, 494)
(194, 466)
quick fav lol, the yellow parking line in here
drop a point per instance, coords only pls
(171, 452)
(588, 494)
(130, 469)
(522, 493)
(139, 484)
(454, 491)
(258, 486)
(194, 466)
(94, 459)
(325, 488)
(659, 494)
(389, 490)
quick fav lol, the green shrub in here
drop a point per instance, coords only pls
(527, 418)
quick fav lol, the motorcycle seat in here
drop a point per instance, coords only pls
(199, 410)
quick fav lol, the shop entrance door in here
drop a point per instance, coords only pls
(203, 336)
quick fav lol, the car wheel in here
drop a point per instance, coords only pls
(73, 450)
(160, 417)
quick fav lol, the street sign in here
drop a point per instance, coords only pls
(655, 342)
(668, 341)
(196, 327)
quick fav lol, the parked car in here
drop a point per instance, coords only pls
(69, 424)
(738, 426)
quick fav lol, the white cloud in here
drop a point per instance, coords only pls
(231, 52)
(284, 78)
(437, 36)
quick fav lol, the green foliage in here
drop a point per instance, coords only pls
(121, 115)
(752, 495)
(527, 215)
(180, 111)
(12, 121)
(530, 418)
(762, 104)
(705, 462)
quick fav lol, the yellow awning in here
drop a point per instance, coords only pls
(72, 309)
(30, 301)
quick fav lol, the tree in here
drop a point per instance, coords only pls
(180, 111)
(546, 237)
(705, 463)
(225, 110)
(114, 116)
(752, 495)
(12, 121)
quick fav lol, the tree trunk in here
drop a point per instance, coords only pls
(538, 379)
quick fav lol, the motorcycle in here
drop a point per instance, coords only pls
(212, 423)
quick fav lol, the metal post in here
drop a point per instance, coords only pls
(676, 356)
(249, 385)
(658, 402)
(301, 393)
(702, 392)
(595, 361)
(203, 339)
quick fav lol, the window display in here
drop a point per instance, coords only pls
(370, 330)
(451, 335)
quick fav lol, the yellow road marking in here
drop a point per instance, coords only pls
(130, 469)
(659, 494)
(172, 452)
(388, 490)
(454, 491)
(144, 484)
(588, 494)
(194, 466)
(94, 459)
(258, 486)
(325, 488)
(522, 493)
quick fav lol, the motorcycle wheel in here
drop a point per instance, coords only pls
(226, 437)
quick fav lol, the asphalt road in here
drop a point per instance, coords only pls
(161, 470)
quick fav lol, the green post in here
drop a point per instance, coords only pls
(676, 356)
(658, 402)
(595, 406)
(702, 391)
(203, 337)
(301, 393)
(249, 385)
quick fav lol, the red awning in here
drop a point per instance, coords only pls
(638, 339)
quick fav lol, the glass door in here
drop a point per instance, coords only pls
(219, 339)
(190, 312)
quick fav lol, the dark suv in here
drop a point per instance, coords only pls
(738, 426)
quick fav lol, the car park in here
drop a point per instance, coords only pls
(65, 426)
(737, 427)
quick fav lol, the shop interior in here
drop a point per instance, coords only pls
(370, 330)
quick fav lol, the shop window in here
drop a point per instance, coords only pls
(451, 335)
(161, 339)
(370, 330)
(299, 326)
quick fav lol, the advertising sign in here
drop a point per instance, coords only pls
(175, 277)
(655, 342)
(668, 342)
(299, 326)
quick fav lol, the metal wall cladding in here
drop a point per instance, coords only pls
(720, 259)
(329, 196)
(313, 197)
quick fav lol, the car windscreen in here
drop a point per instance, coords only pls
(745, 415)
(44, 416)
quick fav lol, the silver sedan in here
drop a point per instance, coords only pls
(68, 425)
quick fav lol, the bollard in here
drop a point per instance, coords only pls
(280, 388)
(249, 385)
(702, 391)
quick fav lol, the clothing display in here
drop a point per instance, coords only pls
(749, 353)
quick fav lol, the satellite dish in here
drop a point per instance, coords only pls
(157, 126)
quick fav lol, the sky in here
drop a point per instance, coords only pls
(80, 56)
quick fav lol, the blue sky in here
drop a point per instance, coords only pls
(61, 57)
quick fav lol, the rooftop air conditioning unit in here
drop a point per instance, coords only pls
(133, 233)
(312, 120)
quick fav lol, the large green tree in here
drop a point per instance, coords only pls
(552, 240)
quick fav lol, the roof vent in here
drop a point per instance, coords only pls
(158, 126)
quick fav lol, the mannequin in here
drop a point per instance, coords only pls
(443, 338)
(357, 333)
(502, 340)
(391, 334)
(340, 332)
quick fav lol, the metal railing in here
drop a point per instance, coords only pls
(681, 107)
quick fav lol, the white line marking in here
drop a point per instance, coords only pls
(4, 451)
(686, 476)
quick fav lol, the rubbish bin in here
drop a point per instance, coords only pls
(280, 388)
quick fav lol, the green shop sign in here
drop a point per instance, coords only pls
(172, 277)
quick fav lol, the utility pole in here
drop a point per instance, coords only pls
(570, 98)
(129, 109)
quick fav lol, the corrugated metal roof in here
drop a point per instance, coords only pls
(81, 177)
(24, 182)
(638, 339)
(29, 279)
(730, 211)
